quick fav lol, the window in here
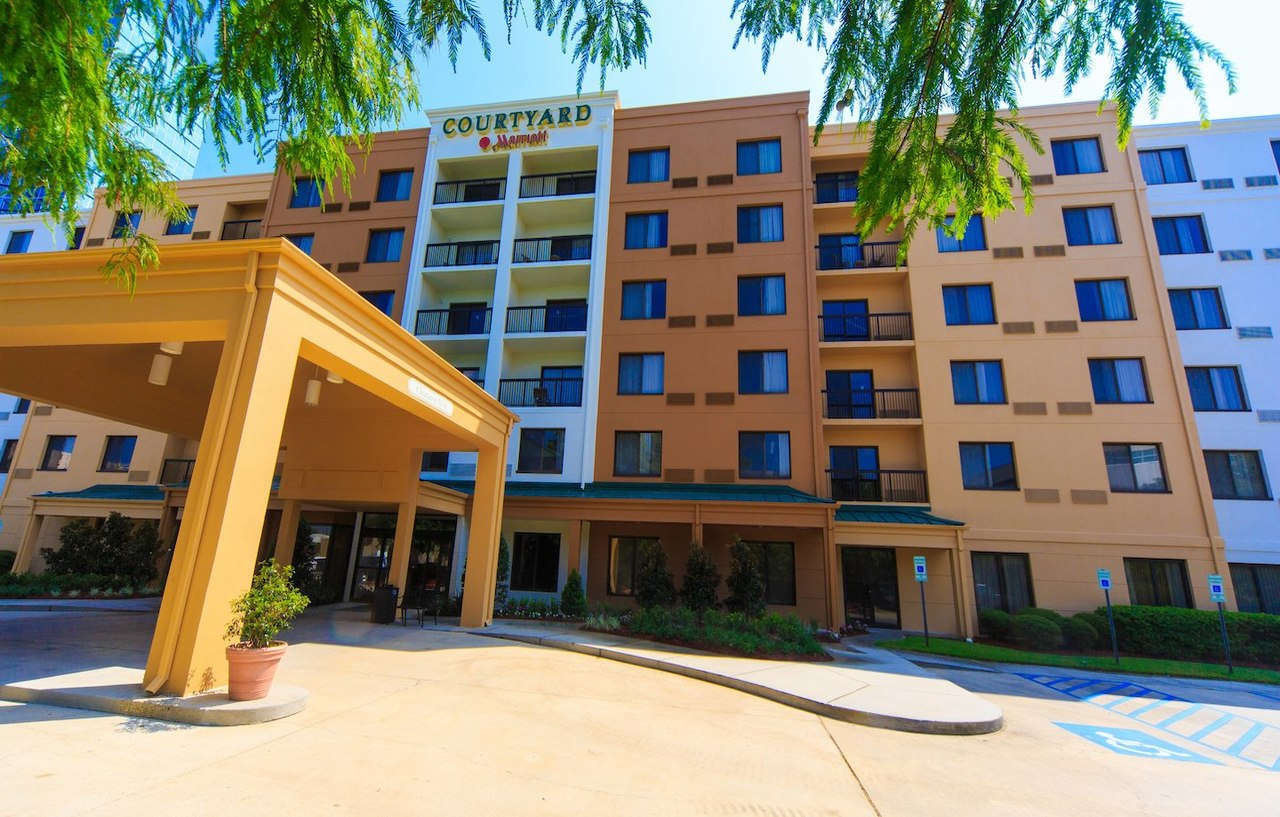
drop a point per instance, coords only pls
(839, 251)
(968, 304)
(303, 241)
(306, 193)
(1236, 475)
(7, 448)
(778, 564)
(57, 453)
(1090, 225)
(644, 300)
(977, 381)
(1275, 151)
(653, 165)
(117, 455)
(394, 185)
(974, 237)
(1135, 468)
(640, 373)
(763, 156)
(560, 386)
(1257, 586)
(1198, 309)
(384, 300)
(764, 455)
(541, 451)
(19, 241)
(833, 187)
(622, 562)
(472, 373)
(1165, 166)
(435, 460)
(384, 245)
(1118, 380)
(988, 467)
(645, 231)
(1180, 235)
(1216, 388)
(1104, 300)
(762, 372)
(77, 238)
(126, 224)
(535, 562)
(21, 406)
(758, 225)
(762, 295)
(182, 227)
(637, 454)
(1158, 582)
(850, 394)
(1002, 581)
(1075, 156)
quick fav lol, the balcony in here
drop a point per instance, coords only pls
(540, 392)
(244, 228)
(871, 404)
(470, 191)
(555, 248)
(558, 184)
(462, 254)
(457, 321)
(879, 486)
(877, 326)
(568, 317)
(873, 254)
(176, 472)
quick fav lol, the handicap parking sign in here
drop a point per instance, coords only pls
(1134, 743)
(922, 574)
(1216, 591)
(1104, 579)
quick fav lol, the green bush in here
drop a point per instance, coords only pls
(1078, 634)
(504, 575)
(25, 585)
(269, 605)
(746, 580)
(117, 547)
(573, 602)
(1100, 626)
(654, 585)
(604, 622)
(701, 581)
(995, 623)
(768, 634)
(1035, 632)
(1193, 635)
(6, 561)
(1043, 612)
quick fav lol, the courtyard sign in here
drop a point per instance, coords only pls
(532, 119)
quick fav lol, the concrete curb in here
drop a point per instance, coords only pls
(208, 709)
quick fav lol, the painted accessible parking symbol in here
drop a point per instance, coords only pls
(1134, 743)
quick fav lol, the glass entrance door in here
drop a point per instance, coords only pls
(373, 554)
(431, 560)
(870, 586)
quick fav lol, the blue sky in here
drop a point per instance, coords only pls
(692, 58)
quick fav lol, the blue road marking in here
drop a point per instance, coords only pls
(1158, 702)
(1203, 733)
(1245, 739)
(1108, 691)
(1167, 722)
(1134, 743)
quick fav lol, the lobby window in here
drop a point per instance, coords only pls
(1216, 388)
(778, 564)
(394, 185)
(435, 460)
(117, 454)
(640, 373)
(977, 381)
(762, 372)
(535, 562)
(637, 454)
(761, 156)
(764, 455)
(541, 451)
(1165, 166)
(126, 224)
(622, 562)
(303, 241)
(77, 238)
(968, 304)
(645, 231)
(762, 295)
(988, 467)
(1090, 225)
(652, 165)
(384, 245)
(1257, 588)
(1180, 235)
(975, 238)
(1104, 300)
(1002, 581)
(57, 453)
(1236, 475)
(1158, 582)
(1118, 380)
(1075, 156)
(306, 193)
(644, 300)
(1198, 309)
(384, 300)
(760, 224)
(19, 241)
(1135, 468)
(183, 226)
(7, 448)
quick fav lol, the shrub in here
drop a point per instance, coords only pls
(995, 623)
(1035, 632)
(267, 607)
(1099, 623)
(117, 547)
(604, 622)
(746, 580)
(769, 634)
(1193, 635)
(654, 585)
(1078, 634)
(701, 581)
(573, 602)
(7, 558)
(1043, 612)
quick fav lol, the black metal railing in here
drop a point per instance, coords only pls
(470, 190)
(859, 256)
(879, 485)
(462, 254)
(558, 184)
(540, 391)
(458, 321)
(549, 318)
(871, 404)
(243, 228)
(875, 326)
(555, 248)
(835, 187)
(176, 471)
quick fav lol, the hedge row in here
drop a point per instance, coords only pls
(24, 585)
(1193, 635)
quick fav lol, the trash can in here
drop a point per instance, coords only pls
(383, 609)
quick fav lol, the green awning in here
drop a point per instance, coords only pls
(891, 515)
(664, 491)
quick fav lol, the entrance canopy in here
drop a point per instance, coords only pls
(264, 357)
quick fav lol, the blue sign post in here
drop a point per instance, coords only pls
(922, 576)
(1218, 595)
(1104, 582)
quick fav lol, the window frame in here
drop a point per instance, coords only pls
(520, 451)
(954, 244)
(764, 442)
(1074, 140)
(988, 472)
(647, 298)
(617, 437)
(762, 550)
(182, 227)
(296, 202)
(48, 449)
(1265, 496)
(387, 231)
(761, 279)
(1266, 604)
(1193, 303)
(310, 239)
(399, 172)
(757, 144)
(786, 367)
(1209, 370)
(1085, 208)
(430, 458)
(642, 355)
(391, 304)
(8, 448)
(1097, 284)
(1133, 561)
(132, 217)
(106, 451)
(664, 215)
(636, 543)
(1164, 473)
(1186, 159)
(991, 295)
(25, 235)
(1146, 381)
(999, 558)
(758, 209)
(520, 541)
(1004, 392)
(1197, 218)
(633, 151)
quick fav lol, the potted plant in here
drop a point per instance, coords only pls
(267, 607)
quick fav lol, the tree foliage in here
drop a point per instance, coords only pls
(654, 585)
(116, 547)
(701, 587)
(746, 580)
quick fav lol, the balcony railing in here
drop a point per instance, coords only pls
(875, 326)
(835, 187)
(465, 321)
(859, 256)
(869, 404)
(541, 391)
(558, 184)
(244, 228)
(176, 471)
(558, 248)
(550, 318)
(471, 190)
(879, 486)
(462, 254)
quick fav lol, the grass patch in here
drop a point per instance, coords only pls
(1097, 663)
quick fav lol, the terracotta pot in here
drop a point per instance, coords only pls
(251, 670)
